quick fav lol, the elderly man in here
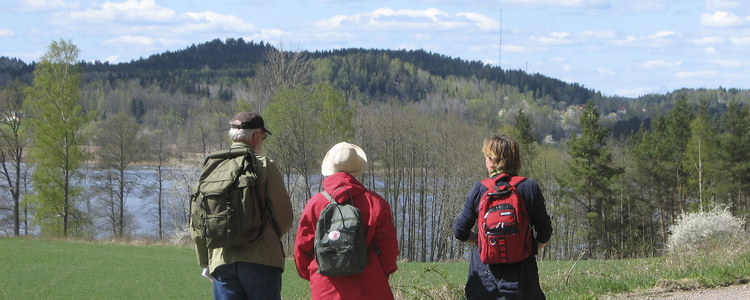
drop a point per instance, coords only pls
(253, 270)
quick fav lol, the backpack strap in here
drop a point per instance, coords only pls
(491, 183)
(227, 154)
(330, 198)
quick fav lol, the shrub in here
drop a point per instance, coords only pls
(702, 231)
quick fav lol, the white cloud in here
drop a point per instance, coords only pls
(688, 75)
(331, 23)
(128, 11)
(25, 56)
(514, 49)
(714, 5)
(722, 19)
(659, 39)
(213, 21)
(482, 21)
(7, 33)
(658, 64)
(580, 4)
(567, 68)
(113, 59)
(662, 34)
(142, 42)
(387, 19)
(592, 34)
(729, 63)
(45, 5)
(555, 38)
(740, 41)
(709, 40)
(635, 92)
(642, 5)
(605, 72)
(273, 35)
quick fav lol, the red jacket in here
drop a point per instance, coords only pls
(372, 283)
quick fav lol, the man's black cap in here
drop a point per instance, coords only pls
(249, 120)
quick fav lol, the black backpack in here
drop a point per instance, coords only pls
(224, 208)
(340, 247)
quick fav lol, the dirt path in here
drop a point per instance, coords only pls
(725, 293)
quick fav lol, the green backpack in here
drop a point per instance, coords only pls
(225, 209)
(340, 247)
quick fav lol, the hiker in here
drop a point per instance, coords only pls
(342, 164)
(252, 270)
(519, 280)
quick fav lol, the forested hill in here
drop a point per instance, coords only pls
(238, 58)
(445, 66)
(215, 55)
(229, 70)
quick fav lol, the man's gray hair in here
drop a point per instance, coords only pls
(244, 135)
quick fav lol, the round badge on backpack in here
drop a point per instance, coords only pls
(334, 235)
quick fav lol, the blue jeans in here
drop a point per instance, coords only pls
(243, 280)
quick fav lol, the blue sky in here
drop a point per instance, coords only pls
(619, 47)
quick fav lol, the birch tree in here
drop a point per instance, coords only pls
(57, 120)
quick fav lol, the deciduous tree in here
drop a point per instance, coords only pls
(13, 142)
(57, 120)
(119, 146)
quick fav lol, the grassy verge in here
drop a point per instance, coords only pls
(61, 269)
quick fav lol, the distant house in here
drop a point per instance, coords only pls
(622, 110)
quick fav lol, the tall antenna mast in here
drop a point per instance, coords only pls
(500, 51)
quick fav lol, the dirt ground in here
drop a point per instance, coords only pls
(732, 292)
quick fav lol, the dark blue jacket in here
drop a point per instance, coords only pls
(505, 281)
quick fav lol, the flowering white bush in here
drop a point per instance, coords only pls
(706, 231)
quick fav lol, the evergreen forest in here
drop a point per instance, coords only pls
(616, 172)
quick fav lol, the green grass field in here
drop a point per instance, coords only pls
(66, 269)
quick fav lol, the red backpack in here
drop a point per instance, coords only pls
(504, 230)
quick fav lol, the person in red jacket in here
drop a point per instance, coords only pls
(342, 164)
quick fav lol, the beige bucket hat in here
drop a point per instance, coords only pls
(344, 157)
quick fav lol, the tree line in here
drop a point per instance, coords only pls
(69, 150)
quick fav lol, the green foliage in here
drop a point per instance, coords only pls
(421, 118)
(305, 123)
(56, 121)
(524, 133)
(590, 171)
(700, 157)
(734, 156)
